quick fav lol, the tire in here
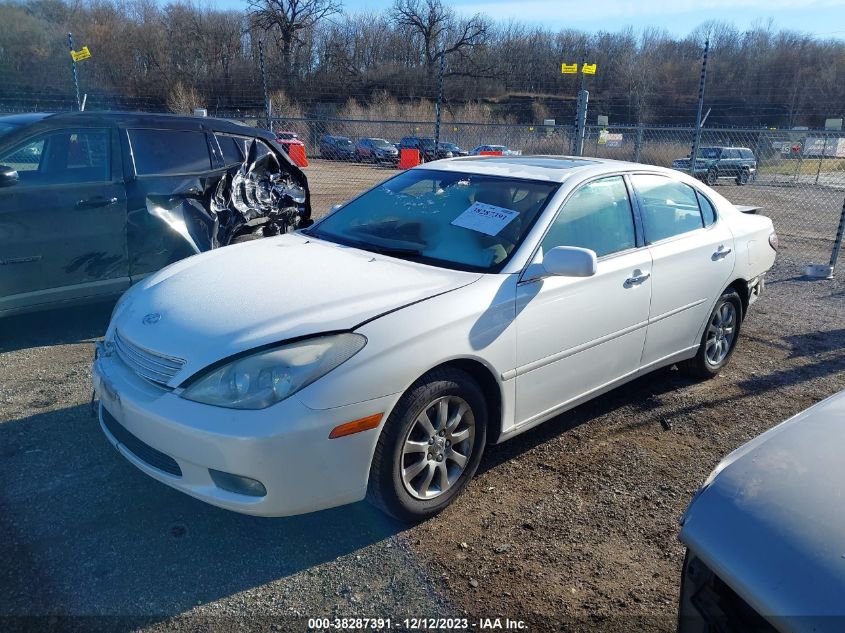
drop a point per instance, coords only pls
(717, 345)
(711, 177)
(401, 480)
(246, 237)
(743, 177)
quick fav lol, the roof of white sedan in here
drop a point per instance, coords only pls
(550, 168)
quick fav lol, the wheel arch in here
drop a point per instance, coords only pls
(490, 387)
(741, 287)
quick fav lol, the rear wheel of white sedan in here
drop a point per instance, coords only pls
(430, 446)
(719, 339)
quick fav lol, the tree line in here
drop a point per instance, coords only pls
(322, 61)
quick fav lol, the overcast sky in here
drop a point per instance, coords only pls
(823, 18)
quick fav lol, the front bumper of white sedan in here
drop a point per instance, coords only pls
(283, 451)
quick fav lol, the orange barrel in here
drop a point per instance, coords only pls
(297, 154)
(409, 158)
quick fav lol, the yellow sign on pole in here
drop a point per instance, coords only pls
(78, 56)
(569, 69)
(588, 69)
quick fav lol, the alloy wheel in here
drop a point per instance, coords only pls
(437, 448)
(721, 332)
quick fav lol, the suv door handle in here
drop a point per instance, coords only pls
(638, 278)
(721, 253)
(93, 203)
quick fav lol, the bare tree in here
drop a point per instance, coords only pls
(439, 28)
(286, 19)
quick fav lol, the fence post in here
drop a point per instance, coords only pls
(696, 138)
(638, 144)
(75, 73)
(826, 272)
(268, 109)
(439, 104)
(581, 122)
(821, 160)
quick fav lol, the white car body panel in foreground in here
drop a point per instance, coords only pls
(546, 344)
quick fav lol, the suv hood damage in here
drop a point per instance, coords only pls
(265, 195)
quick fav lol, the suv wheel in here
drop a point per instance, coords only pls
(743, 177)
(711, 177)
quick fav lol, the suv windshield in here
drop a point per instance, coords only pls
(449, 219)
(381, 143)
(708, 152)
(342, 142)
(427, 143)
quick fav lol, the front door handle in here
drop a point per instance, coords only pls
(94, 203)
(721, 253)
(637, 278)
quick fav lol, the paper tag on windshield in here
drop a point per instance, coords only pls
(485, 218)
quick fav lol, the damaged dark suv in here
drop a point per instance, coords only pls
(92, 202)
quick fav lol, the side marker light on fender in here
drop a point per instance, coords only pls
(356, 426)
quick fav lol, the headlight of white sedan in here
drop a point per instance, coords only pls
(264, 378)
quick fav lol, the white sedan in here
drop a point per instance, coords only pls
(455, 305)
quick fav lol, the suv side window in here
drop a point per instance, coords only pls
(669, 207)
(232, 149)
(598, 216)
(747, 154)
(63, 156)
(164, 152)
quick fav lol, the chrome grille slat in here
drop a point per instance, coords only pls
(152, 366)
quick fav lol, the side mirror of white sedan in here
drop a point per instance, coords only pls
(570, 261)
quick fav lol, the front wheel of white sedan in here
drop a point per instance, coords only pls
(430, 446)
(719, 339)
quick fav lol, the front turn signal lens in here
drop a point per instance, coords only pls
(356, 426)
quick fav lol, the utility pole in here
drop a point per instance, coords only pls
(73, 69)
(267, 107)
(581, 112)
(696, 138)
(439, 105)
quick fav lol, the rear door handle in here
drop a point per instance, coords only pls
(94, 203)
(721, 253)
(638, 278)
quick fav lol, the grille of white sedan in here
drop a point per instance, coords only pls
(152, 366)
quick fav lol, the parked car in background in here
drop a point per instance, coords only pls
(286, 138)
(376, 150)
(426, 146)
(764, 537)
(336, 148)
(713, 163)
(92, 202)
(451, 306)
(476, 151)
(454, 149)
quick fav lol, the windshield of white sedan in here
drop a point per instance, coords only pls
(450, 219)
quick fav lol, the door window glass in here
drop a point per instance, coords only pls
(63, 156)
(707, 210)
(597, 216)
(169, 151)
(669, 207)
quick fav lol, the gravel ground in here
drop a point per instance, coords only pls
(571, 525)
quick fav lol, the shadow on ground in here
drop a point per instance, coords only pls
(83, 532)
(55, 327)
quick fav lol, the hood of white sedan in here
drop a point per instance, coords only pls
(230, 300)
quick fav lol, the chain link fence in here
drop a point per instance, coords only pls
(796, 177)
